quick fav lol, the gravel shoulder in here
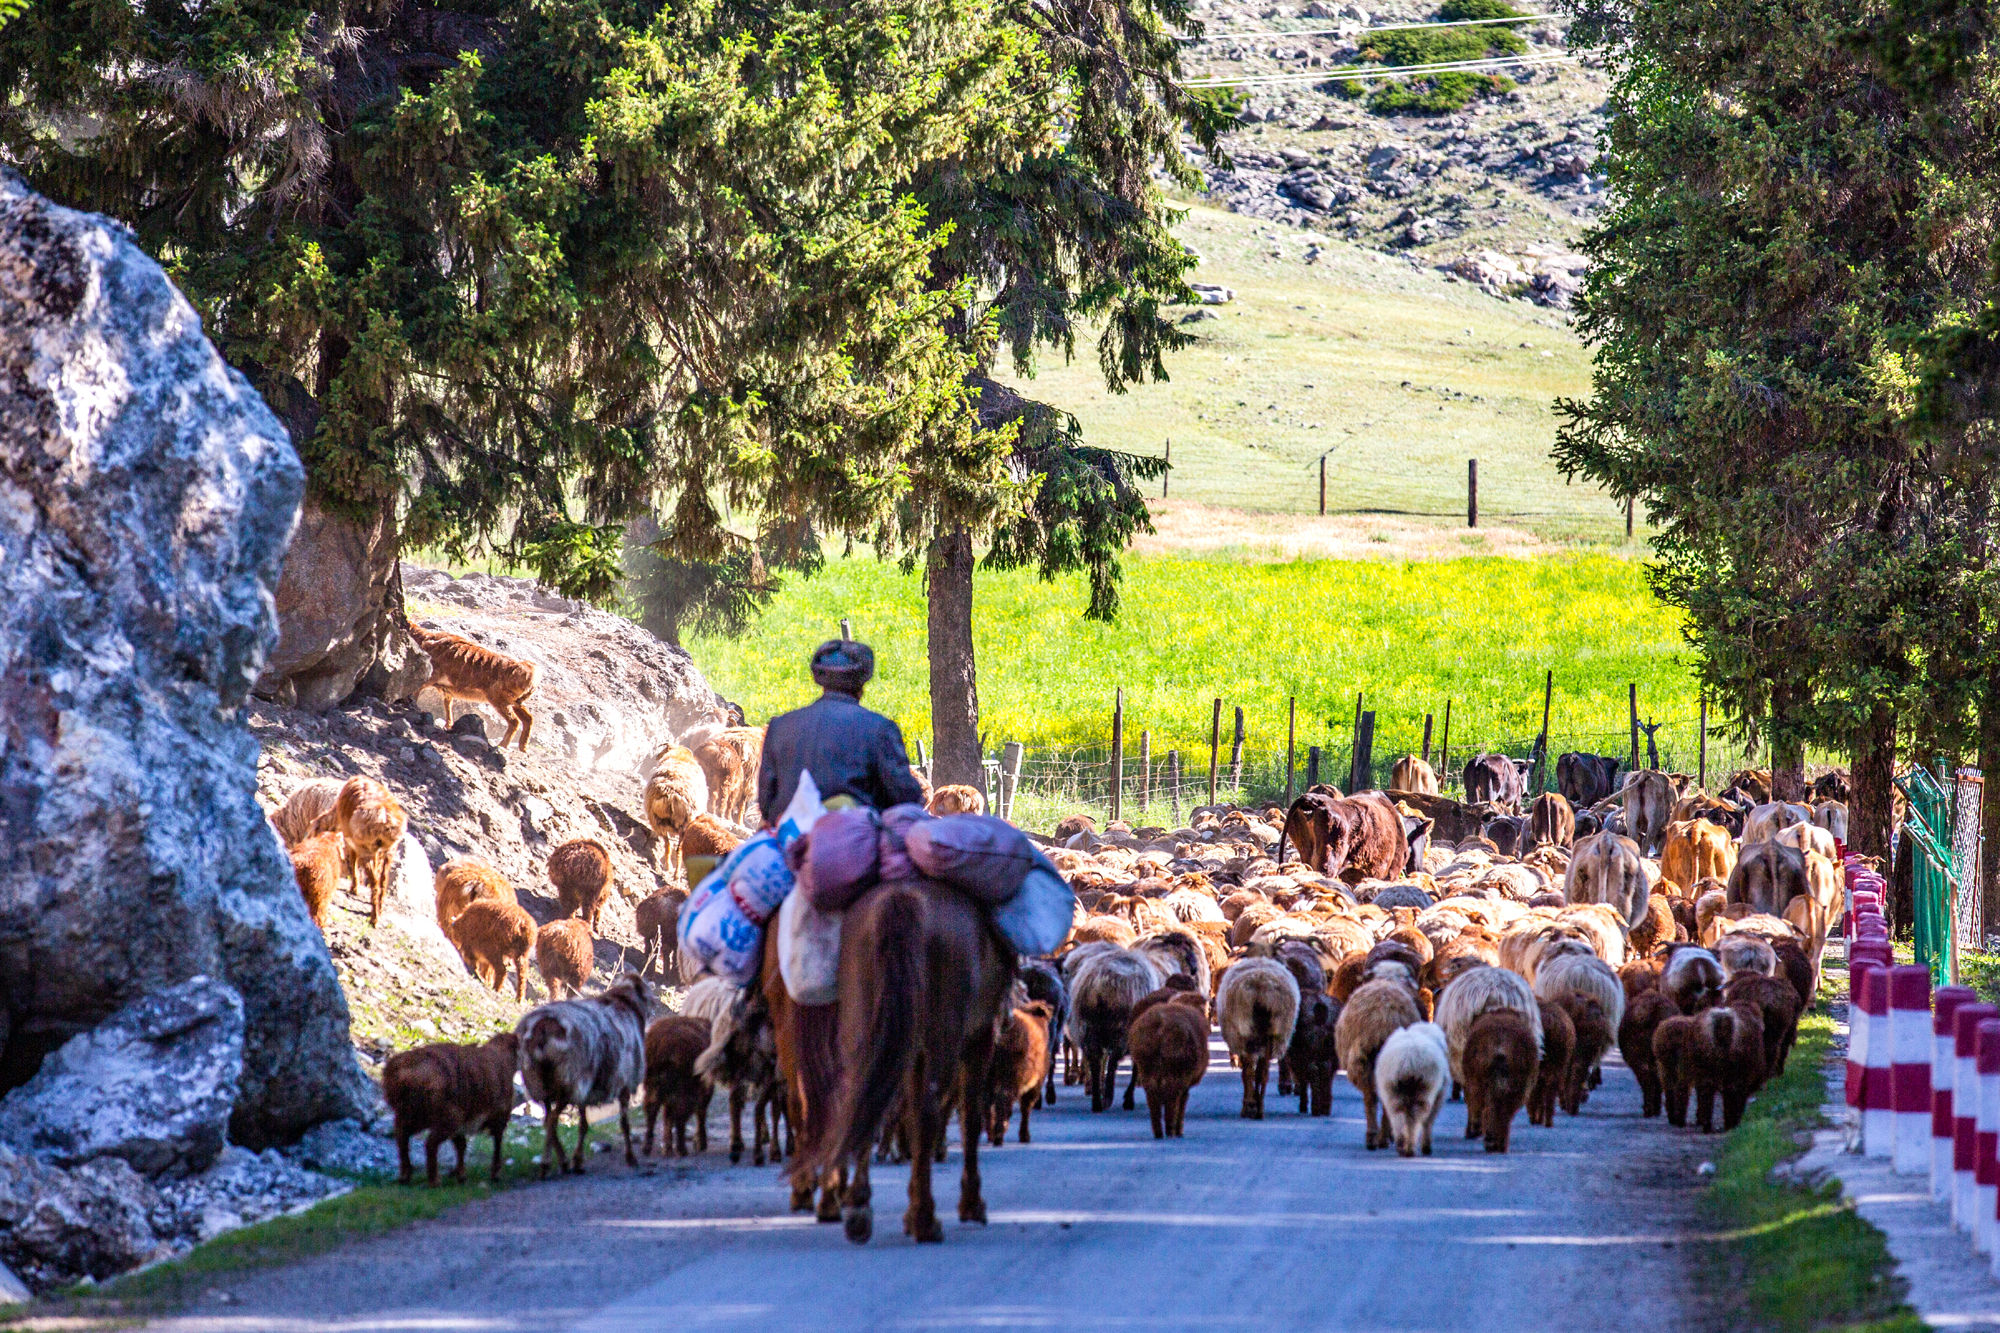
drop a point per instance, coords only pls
(1284, 1224)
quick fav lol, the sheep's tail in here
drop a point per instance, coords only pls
(1262, 1021)
(1723, 1025)
(867, 1090)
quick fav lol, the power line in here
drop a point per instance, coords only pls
(1360, 32)
(1384, 71)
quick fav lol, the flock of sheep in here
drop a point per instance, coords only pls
(1416, 943)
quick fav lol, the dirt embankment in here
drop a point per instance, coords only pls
(607, 693)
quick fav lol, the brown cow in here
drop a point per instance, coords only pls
(1606, 869)
(1360, 837)
(1649, 804)
(1696, 849)
(1451, 821)
(1413, 774)
(1586, 779)
(1767, 877)
(1497, 778)
(1551, 819)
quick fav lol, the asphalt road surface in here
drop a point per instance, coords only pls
(1284, 1224)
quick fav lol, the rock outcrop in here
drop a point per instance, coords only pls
(339, 617)
(153, 1084)
(146, 497)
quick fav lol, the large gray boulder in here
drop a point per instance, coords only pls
(153, 1084)
(57, 1226)
(340, 616)
(146, 496)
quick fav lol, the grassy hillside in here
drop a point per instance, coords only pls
(1479, 631)
(1401, 373)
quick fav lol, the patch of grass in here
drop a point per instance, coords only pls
(1799, 1258)
(1477, 631)
(1438, 95)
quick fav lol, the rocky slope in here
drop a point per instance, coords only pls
(1497, 192)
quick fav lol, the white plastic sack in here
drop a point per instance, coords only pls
(722, 923)
(1037, 919)
(804, 811)
(809, 951)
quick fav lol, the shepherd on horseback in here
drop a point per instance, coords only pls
(852, 752)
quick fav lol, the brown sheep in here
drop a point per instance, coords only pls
(308, 810)
(583, 1053)
(446, 1092)
(658, 918)
(676, 791)
(1641, 976)
(1643, 1016)
(581, 871)
(372, 823)
(1104, 929)
(1673, 1063)
(464, 881)
(461, 669)
(1777, 1005)
(563, 955)
(1728, 1059)
(1594, 1034)
(1020, 1064)
(1795, 966)
(672, 1087)
(1376, 1011)
(491, 935)
(957, 799)
(1655, 928)
(1473, 947)
(316, 864)
(1170, 1055)
(705, 843)
(1500, 1064)
(729, 762)
(1558, 1045)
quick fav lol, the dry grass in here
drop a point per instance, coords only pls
(1183, 526)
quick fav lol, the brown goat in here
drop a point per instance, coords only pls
(1593, 1036)
(957, 799)
(371, 822)
(1020, 1065)
(581, 871)
(729, 761)
(1644, 1013)
(658, 919)
(308, 810)
(1169, 1055)
(462, 882)
(492, 935)
(672, 1087)
(1558, 1044)
(461, 669)
(563, 956)
(1500, 1063)
(1728, 1059)
(1673, 1059)
(446, 1092)
(316, 864)
(676, 791)
(1777, 1004)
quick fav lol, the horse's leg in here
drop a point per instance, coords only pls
(855, 1212)
(973, 1072)
(735, 1123)
(833, 1188)
(920, 1221)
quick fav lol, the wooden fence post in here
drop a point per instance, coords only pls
(922, 762)
(1291, 744)
(1145, 768)
(1361, 773)
(1632, 705)
(1541, 773)
(1236, 754)
(1167, 476)
(1010, 776)
(1214, 747)
(1702, 779)
(1427, 738)
(846, 629)
(1322, 485)
(1312, 767)
(1174, 784)
(1444, 749)
(1471, 492)
(1117, 756)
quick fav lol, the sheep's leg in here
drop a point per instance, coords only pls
(1130, 1084)
(625, 1125)
(1732, 1107)
(1704, 1107)
(1301, 1083)
(1093, 1059)
(403, 1155)
(1156, 1107)
(498, 1129)
(432, 1142)
(527, 725)
(856, 1214)
(551, 1141)
(1027, 1103)
(1474, 1104)
(1377, 1137)
(735, 1123)
(1286, 1079)
(1249, 1101)
(582, 1135)
(1677, 1104)
(1323, 1091)
(701, 1121)
(520, 979)
(652, 1109)
(1430, 1122)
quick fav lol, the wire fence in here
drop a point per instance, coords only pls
(1159, 787)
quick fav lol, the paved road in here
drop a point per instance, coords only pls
(1287, 1224)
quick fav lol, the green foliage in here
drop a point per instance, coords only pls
(1443, 93)
(1437, 95)
(1481, 633)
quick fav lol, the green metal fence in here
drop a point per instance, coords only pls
(1938, 863)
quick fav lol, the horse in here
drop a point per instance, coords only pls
(807, 1049)
(923, 976)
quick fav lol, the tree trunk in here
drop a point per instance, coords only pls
(1870, 809)
(1788, 748)
(955, 753)
(1989, 809)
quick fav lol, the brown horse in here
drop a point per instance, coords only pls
(807, 1051)
(923, 975)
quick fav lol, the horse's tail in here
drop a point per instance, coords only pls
(870, 1084)
(819, 1071)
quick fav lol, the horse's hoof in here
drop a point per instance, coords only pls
(858, 1223)
(925, 1230)
(829, 1208)
(972, 1212)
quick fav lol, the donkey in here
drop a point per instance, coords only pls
(923, 977)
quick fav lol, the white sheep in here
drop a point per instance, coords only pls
(1412, 1077)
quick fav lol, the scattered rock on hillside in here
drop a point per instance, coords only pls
(149, 495)
(153, 1084)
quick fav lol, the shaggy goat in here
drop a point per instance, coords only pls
(1020, 1065)
(672, 1087)
(563, 956)
(676, 791)
(1103, 990)
(372, 823)
(1728, 1058)
(461, 669)
(316, 864)
(1170, 1055)
(446, 1092)
(1499, 1062)
(1375, 1011)
(1044, 982)
(581, 871)
(463, 881)
(1777, 1004)
(584, 1053)
(1257, 1003)
(1558, 1046)
(492, 935)
(729, 760)
(308, 810)
(1643, 1015)
(1412, 1076)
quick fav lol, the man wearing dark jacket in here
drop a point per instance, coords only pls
(849, 750)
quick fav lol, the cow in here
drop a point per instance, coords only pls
(1509, 834)
(1694, 850)
(1359, 837)
(1607, 869)
(1765, 820)
(1767, 877)
(1496, 778)
(1832, 786)
(1832, 816)
(1413, 774)
(1586, 779)
(1551, 820)
(1649, 804)
(1754, 783)
(1451, 821)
